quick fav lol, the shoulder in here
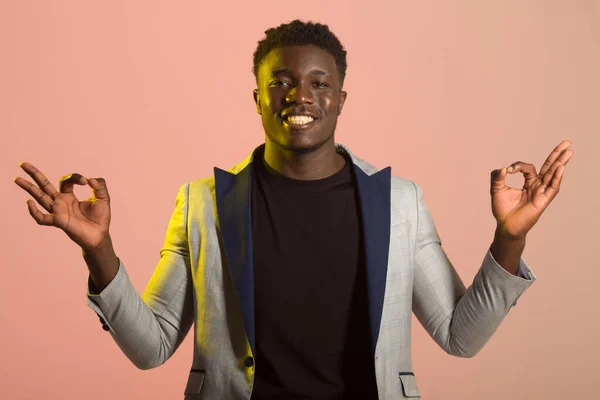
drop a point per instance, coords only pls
(198, 190)
(403, 189)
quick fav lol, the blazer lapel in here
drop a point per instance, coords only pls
(234, 214)
(374, 195)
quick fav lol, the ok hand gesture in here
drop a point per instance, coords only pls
(517, 210)
(85, 222)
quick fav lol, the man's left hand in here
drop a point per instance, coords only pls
(517, 210)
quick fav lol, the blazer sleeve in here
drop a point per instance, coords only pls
(149, 328)
(461, 320)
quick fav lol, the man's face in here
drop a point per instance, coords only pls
(299, 97)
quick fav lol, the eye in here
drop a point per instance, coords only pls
(279, 83)
(321, 84)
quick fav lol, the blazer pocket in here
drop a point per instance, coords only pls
(409, 385)
(194, 384)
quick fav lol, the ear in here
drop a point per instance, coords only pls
(342, 101)
(257, 101)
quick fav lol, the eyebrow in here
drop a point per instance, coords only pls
(278, 72)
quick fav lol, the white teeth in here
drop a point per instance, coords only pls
(299, 119)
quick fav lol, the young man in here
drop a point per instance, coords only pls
(300, 266)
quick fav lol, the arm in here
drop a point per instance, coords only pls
(149, 328)
(460, 320)
(103, 264)
(507, 253)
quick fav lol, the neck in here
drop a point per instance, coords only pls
(318, 164)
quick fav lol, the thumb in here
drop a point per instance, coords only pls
(498, 178)
(99, 188)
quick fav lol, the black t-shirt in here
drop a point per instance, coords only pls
(311, 317)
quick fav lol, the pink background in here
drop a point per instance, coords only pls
(150, 95)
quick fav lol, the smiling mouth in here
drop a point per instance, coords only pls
(298, 121)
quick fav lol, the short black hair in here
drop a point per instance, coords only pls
(299, 33)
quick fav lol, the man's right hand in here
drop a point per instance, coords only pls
(85, 222)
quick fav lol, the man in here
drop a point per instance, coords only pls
(300, 266)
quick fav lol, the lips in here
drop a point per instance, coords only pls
(298, 120)
(298, 124)
(297, 112)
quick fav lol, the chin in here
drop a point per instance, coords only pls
(304, 146)
(304, 149)
(299, 143)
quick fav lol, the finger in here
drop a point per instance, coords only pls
(554, 187)
(99, 188)
(547, 178)
(42, 198)
(562, 160)
(40, 179)
(527, 169)
(38, 216)
(66, 183)
(554, 155)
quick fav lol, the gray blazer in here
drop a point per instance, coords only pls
(205, 279)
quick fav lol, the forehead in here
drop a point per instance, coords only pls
(299, 60)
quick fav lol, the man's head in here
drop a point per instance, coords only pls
(299, 69)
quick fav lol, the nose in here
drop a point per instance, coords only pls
(299, 94)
